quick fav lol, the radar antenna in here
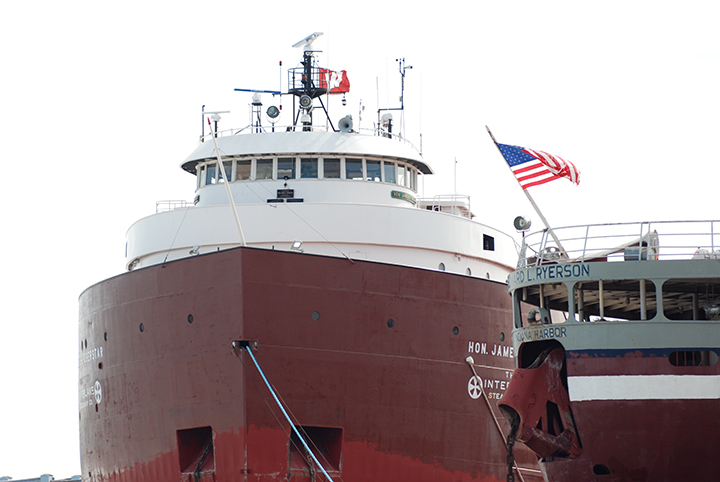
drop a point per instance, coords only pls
(306, 43)
(307, 84)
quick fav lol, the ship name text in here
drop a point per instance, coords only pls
(90, 355)
(552, 271)
(543, 333)
(497, 350)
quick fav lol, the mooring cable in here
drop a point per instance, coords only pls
(471, 363)
(287, 417)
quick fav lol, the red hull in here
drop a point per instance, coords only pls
(387, 400)
(622, 426)
(640, 440)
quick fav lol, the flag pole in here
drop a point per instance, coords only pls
(532, 201)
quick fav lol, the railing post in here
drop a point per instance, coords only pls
(587, 235)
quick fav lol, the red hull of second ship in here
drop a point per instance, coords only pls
(369, 358)
(626, 417)
(639, 440)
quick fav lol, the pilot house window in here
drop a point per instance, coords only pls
(243, 170)
(228, 172)
(286, 168)
(308, 168)
(264, 169)
(353, 169)
(331, 168)
(401, 176)
(390, 172)
(211, 177)
(373, 170)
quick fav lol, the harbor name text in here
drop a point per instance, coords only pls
(544, 333)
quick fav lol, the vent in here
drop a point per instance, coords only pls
(695, 358)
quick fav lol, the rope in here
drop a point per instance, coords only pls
(287, 417)
(292, 441)
(469, 360)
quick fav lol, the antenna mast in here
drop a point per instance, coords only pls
(388, 121)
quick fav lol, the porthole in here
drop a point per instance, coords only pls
(456, 330)
(468, 272)
(315, 315)
(502, 336)
(142, 327)
(390, 323)
(191, 318)
(441, 266)
(105, 336)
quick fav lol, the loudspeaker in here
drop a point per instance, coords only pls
(521, 223)
(346, 124)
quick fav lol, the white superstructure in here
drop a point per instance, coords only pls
(339, 193)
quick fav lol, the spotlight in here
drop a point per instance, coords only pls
(306, 102)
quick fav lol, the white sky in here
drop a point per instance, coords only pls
(101, 103)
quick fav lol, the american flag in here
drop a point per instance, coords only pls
(533, 168)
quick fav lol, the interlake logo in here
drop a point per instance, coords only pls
(404, 196)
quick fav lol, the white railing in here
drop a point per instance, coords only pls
(623, 242)
(251, 129)
(457, 204)
(165, 206)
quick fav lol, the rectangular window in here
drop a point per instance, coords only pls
(286, 168)
(228, 171)
(243, 170)
(488, 243)
(331, 168)
(401, 175)
(688, 299)
(390, 172)
(264, 169)
(308, 168)
(373, 170)
(353, 169)
(201, 177)
(211, 177)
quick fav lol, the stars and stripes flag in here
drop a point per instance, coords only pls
(532, 168)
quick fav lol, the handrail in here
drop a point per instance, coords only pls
(639, 241)
(250, 129)
(165, 206)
